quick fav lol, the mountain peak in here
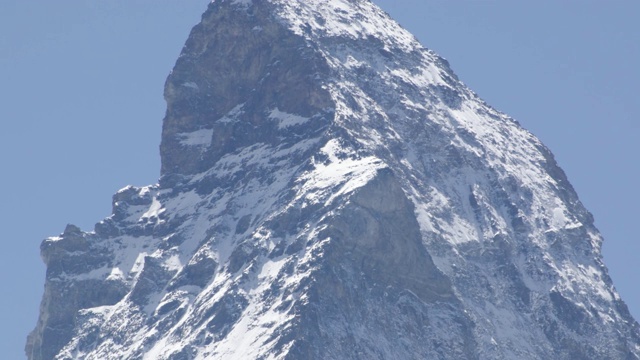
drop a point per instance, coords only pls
(331, 190)
(291, 43)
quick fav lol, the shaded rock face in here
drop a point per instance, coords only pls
(330, 190)
(378, 287)
(70, 257)
(237, 67)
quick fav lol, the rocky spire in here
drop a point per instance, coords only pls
(330, 190)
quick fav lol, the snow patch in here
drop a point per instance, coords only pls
(342, 173)
(286, 120)
(115, 275)
(154, 210)
(191, 85)
(202, 138)
(232, 116)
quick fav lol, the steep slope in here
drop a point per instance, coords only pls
(330, 190)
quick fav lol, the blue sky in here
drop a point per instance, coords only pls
(82, 108)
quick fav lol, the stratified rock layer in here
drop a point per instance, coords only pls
(330, 190)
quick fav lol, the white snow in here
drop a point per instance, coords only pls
(286, 120)
(232, 115)
(191, 85)
(116, 274)
(241, 2)
(340, 21)
(338, 176)
(202, 138)
(154, 210)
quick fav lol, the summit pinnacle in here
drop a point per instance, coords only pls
(330, 190)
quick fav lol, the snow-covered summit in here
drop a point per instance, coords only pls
(330, 190)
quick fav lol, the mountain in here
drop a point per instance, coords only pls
(330, 190)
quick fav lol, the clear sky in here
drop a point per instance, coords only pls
(81, 109)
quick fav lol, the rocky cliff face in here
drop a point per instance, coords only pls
(330, 190)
